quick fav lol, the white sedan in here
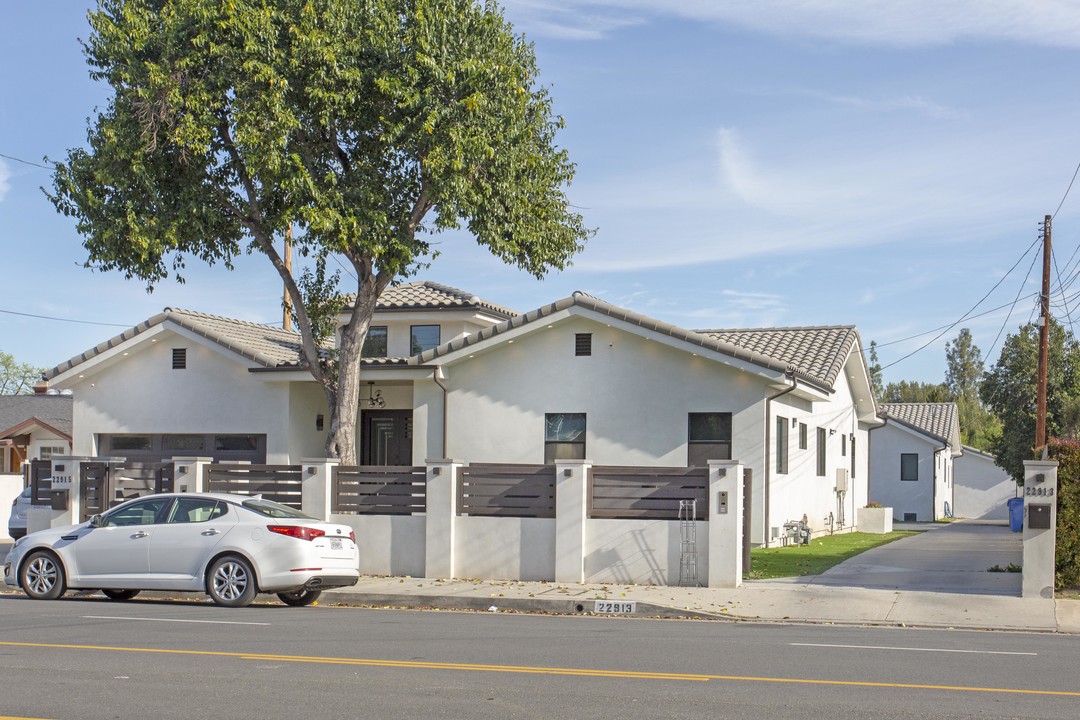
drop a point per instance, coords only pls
(230, 547)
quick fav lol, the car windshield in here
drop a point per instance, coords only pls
(273, 509)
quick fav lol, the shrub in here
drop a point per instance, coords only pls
(873, 504)
(1067, 454)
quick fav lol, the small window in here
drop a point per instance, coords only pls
(188, 443)
(195, 510)
(144, 512)
(909, 466)
(179, 358)
(375, 342)
(781, 445)
(822, 439)
(802, 436)
(564, 437)
(852, 456)
(236, 443)
(582, 344)
(423, 337)
(47, 453)
(708, 438)
(130, 442)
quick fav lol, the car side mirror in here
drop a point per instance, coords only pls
(96, 521)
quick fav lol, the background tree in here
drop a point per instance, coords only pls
(877, 385)
(913, 391)
(1009, 389)
(963, 376)
(17, 378)
(369, 124)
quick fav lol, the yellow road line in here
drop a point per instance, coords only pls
(579, 672)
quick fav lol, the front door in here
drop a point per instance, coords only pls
(386, 437)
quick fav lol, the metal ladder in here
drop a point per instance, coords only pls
(688, 531)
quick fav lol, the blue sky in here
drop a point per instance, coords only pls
(781, 162)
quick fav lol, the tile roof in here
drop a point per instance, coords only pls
(815, 355)
(937, 420)
(425, 294)
(53, 410)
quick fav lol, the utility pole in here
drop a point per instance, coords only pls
(286, 319)
(1044, 344)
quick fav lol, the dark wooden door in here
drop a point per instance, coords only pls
(386, 437)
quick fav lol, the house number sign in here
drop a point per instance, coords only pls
(1039, 492)
(615, 607)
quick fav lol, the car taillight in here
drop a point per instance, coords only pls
(352, 536)
(300, 532)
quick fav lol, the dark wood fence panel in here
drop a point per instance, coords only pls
(643, 493)
(526, 491)
(279, 483)
(130, 480)
(379, 490)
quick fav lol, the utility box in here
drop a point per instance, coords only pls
(841, 480)
(1038, 516)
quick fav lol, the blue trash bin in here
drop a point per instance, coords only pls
(1016, 514)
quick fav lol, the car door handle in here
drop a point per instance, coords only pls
(141, 534)
(211, 531)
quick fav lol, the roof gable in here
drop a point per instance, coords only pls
(428, 295)
(49, 411)
(939, 421)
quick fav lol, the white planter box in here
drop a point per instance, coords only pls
(874, 520)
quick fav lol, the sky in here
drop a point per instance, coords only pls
(883, 163)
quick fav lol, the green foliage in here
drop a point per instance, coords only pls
(817, 557)
(17, 378)
(963, 376)
(324, 303)
(1009, 389)
(874, 368)
(1067, 453)
(368, 124)
(914, 391)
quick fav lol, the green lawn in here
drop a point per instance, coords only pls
(817, 557)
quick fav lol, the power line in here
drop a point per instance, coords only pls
(68, 320)
(946, 327)
(1064, 300)
(25, 162)
(1066, 191)
(1006, 321)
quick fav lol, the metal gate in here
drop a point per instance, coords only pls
(38, 476)
(105, 485)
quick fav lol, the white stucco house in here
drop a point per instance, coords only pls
(448, 375)
(912, 460)
(982, 487)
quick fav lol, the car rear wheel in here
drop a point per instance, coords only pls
(120, 594)
(300, 598)
(42, 576)
(231, 582)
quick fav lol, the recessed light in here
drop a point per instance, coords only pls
(125, 353)
(510, 342)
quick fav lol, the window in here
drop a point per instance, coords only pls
(564, 437)
(235, 443)
(852, 456)
(193, 510)
(822, 439)
(179, 358)
(781, 445)
(802, 436)
(46, 453)
(375, 342)
(708, 438)
(130, 442)
(184, 443)
(423, 337)
(582, 344)
(843, 445)
(909, 466)
(139, 513)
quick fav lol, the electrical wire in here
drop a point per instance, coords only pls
(1068, 315)
(1007, 317)
(24, 162)
(1066, 191)
(946, 327)
(68, 320)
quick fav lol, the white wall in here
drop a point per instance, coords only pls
(640, 552)
(141, 393)
(10, 487)
(389, 544)
(498, 548)
(981, 487)
(886, 487)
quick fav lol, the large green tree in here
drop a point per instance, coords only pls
(913, 391)
(369, 125)
(1009, 389)
(17, 378)
(963, 377)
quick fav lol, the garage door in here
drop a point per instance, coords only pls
(151, 447)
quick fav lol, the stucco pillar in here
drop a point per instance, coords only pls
(571, 518)
(725, 523)
(317, 486)
(65, 476)
(189, 473)
(1040, 527)
(440, 554)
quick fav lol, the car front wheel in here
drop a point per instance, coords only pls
(42, 576)
(231, 582)
(299, 598)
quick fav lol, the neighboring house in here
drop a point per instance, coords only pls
(33, 427)
(446, 374)
(982, 487)
(911, 460)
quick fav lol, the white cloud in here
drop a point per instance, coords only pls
(894, 23)
(5, 175)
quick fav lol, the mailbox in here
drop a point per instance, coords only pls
(721, 502)
(59, 499)
(1038, 517)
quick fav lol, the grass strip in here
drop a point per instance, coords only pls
(817, 557)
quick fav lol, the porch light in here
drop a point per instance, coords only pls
(375, 398)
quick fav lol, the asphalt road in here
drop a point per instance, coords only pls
(87, 658)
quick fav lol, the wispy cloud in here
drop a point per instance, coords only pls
(892, 23)
(5, 176)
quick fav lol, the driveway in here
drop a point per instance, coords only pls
(950, 558)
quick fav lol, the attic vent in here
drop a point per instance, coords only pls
(583, 344)
(179, 358)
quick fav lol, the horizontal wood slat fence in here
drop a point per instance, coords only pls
(379, 490)
(525, 491)
(643, 493)
(280, 483)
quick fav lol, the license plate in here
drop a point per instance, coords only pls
(614, 607)
(335, 544)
